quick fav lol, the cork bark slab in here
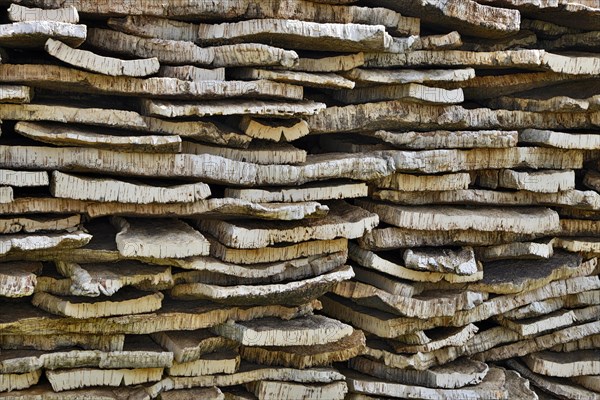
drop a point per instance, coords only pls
(10, 382)
(23, 178)
(410, 92)
(394, 266)
(249, 373)
(392, 76)
(329, 63)
(282, 252)
(167, 238)
(530, 327)
(305, 79)
(103, 65)
(183, 316)
(561, 140)
(18, 279)
(454, 375)
(296, 292)
(53, 77)
(494, 386)
(466, 16)
(298, 35)
(33, 34)
(443, 338)
(21, 242)
(191, 73)
(257, 153)
(15, 94)
(199, 130)
(58, 134)
(95, 279)
(213, 393)
(424, 183)
(576, 363)
(569, 198)
(173, 52)
(527, 221)
(425, 305)
(276, 130)
(62, 341)
(553, 386)
(309, 192)
(113, 190)
(31, 224)
(208, 364)
(188, 346)
(517, 250)
(213, 272)
(85, 377)
(270, 390)
(343, 220)
(305, 331)
(460, 262)
(17, 13)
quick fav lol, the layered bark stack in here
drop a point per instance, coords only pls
(299, 199)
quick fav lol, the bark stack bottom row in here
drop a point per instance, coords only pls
(293, 199)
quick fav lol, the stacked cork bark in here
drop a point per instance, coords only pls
(299, 199)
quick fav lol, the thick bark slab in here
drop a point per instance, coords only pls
(410, 92)
(391, 264)
(23, 178)
(265, 108)
(198, 130)
(15, 94)
(256, 153)
(296, 292)
(272, 390)
(17, 13)
(559, 140)
(312, 192)
(403, 76)
(522, 221)
(517, 250)
(186, 53)
(588, 200)
(402, 115)
(54, 77)
(68, 379)
(10, 382)
(576, 363)
(424, 305)
(33, 34)
(278, 253)
(389, 325)
(122, 303)
(461, 262)
(548, 181)
(191, 73)
(306, 79)
(184, 316)
(153, 239)
(495, 385)
(553, 386)
(112, 190)
(309, 356)
(276, 130)
(343, 220)
(42, 241)
(30, 224)
(447, 139)
(306, 331)
(103, 65)
(454, 375)
(190, 346)
(18, 279)
(297, 35)
(208, 364)
(95, 279)
(61, 135)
